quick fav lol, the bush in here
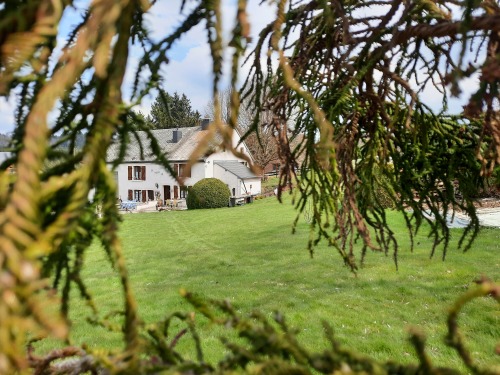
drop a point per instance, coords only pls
(208, 193)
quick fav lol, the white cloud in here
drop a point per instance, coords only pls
(434, 99)
(190, 67)
(468, 86)
(191, 76)
(164, 18)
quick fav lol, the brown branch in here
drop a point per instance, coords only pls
(442, 29)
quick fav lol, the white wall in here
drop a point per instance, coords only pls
(229, 179)
(4, 155)
(227, 155)
(156, 174)
(253, 186)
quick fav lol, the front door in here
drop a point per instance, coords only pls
(166, 191)
(176, 192)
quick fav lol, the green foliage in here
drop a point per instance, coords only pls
(496, 175)
(271, 346)
(382, 195)
(208, 193)
(366, 118)
(172, 111)
(490, 187)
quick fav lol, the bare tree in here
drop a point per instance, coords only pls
(260, 139)
(262, 142)
(224, 101)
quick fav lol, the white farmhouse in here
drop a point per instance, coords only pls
(141, 178)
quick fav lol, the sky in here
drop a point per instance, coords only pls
(190, 67)
(189, 71)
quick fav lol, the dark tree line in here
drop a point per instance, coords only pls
(172, 111)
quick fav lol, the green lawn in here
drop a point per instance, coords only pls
(270, 184)
(248, 255)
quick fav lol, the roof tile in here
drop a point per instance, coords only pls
(235, 167)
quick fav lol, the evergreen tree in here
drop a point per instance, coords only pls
(143, 119)
(173, 111)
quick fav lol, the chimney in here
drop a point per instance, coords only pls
(204, 123)
(176, 135)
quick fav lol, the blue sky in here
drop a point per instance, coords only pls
(189, 71)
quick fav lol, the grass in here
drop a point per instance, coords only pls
(248, 255)
(270, 184)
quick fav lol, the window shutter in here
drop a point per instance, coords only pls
(176, 169)
(143, 172)
(144, 199)
(129, 173)
(187, 170)
(130, 194)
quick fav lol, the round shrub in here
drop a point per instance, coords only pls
(208, 193)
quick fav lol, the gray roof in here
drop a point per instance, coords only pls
(179, 151)
(236, 168)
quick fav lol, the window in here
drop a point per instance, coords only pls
(140, 195)
(137, 195)
(182, 170)
(151, 195)
(137, 172)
